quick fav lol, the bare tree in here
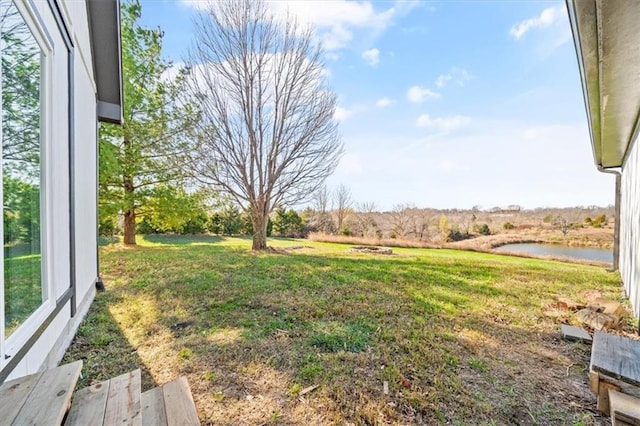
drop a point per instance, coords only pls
(321, 199)
(321, 219)
(365, 219)
(343, 202)
(268, 136)
(401, 219)
(562, 224)
(423, 220)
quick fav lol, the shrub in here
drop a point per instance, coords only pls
(484, 229)
(106, 227)
(588, 220)
(508, 225)
(548, 219)
(457, 235)
(346, 231)
(599, 221)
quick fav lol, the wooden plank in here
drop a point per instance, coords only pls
(603, 397)
(625, 409)
(571, 332)
(594, 382)
(49, 400)
(616, 356)
(13, 394)
(88, 405)
(123, 401)
(179, 403)
(153, 411)
(609, 306)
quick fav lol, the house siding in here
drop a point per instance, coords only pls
(48, 349)
(630, 227)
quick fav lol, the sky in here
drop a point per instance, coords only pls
(444, 104)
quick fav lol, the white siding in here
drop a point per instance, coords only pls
(50, 346)
(85, 182)
(630, 227)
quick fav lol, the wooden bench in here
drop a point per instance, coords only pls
(47, 399)
(615, 366)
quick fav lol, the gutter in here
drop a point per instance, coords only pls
(616, 228)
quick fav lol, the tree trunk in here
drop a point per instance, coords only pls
(130, 227)
(260, 220)
(130, 210)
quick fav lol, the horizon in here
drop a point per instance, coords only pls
(492, 113)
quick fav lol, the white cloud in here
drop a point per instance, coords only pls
(332, 56)
(418, 94)
(371, 56)
(456, 75)
(384, 102)
(343, 113)
(197, 4)
(546, 18)
(443, 124)
(335, 22)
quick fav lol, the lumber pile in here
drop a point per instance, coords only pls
(599, 314)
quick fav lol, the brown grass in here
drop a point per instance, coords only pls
(368, 241)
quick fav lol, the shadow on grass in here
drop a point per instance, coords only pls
(182, 240)
(455, 337)
(104, 349)
(104, 240)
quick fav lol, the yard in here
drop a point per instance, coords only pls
(460, 337)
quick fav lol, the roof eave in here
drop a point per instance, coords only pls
(606, 36)
(104, 27)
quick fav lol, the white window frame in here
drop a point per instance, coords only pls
(9, 346)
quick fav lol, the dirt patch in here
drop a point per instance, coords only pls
(371, 249)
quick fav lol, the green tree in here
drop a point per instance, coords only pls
(173, 209)
(230, 220)
(288, 223)
(136, 159)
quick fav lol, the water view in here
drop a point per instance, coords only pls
(585, 253)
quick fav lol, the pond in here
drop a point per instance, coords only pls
(536, 249)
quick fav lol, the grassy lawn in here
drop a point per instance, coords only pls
(23, 284)
(460, 337)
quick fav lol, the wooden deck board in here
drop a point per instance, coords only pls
(123, 401)
(616, 356)
(49, 400)
(153, 410)
(13, 394)
(625, 409)
(89, 405)
(179, 404)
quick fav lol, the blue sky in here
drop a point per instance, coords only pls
(445, 104)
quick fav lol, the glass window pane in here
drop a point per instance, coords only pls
(21, 167)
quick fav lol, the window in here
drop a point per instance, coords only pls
(24, 285)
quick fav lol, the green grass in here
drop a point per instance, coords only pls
(23, 284)
(457, 335)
